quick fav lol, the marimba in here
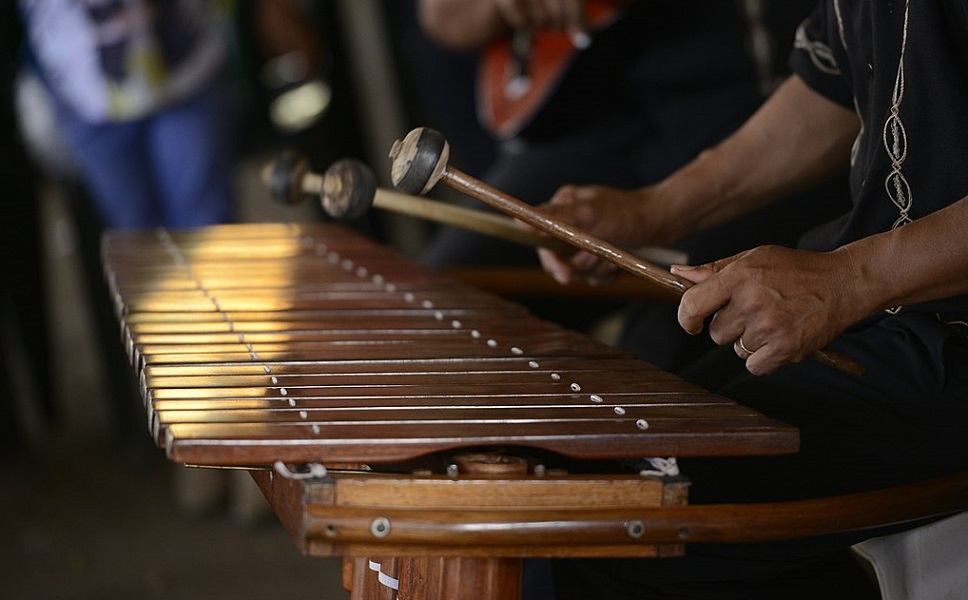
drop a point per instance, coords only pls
(429, 433)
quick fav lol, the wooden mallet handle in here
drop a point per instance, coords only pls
(419, 161)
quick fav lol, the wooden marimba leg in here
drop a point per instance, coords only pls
(433, 578)
(445, 578)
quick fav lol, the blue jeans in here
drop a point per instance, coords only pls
(171, 169)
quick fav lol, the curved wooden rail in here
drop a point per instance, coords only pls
(489, 530)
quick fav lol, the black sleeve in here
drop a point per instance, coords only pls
(818, 55)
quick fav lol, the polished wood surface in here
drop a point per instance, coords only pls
(258, 343)
(533, 282)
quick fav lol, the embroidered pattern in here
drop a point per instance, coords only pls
(820, 54)
(958, 325)
(840, 23)
(895, 141)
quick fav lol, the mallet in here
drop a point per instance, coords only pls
(348, 189)
(419, 161)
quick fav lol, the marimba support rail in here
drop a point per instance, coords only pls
(419, 521)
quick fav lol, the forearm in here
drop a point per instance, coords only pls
(922, 261)
(797, 139)
(460, 24)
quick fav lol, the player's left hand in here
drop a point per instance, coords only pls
(774, 304)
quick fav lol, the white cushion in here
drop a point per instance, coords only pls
(926, 563)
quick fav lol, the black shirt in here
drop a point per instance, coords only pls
(655, 52)
(903, 66)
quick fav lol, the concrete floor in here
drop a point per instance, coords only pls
(78, 522)
(84, 517)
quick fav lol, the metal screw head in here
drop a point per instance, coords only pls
(380, 527)
(635, 529)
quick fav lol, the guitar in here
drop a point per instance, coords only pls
(518, 74)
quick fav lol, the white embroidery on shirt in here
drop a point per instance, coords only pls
(895, 143)
(840, 24)
(820, 54)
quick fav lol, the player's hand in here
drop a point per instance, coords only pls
(612, 215)
(775, 305)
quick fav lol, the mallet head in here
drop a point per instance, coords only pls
(283, 177)
(419, 161)
(348, 190)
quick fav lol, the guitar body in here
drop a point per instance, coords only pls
(519, 74)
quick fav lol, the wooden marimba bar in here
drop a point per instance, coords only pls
(388, 411)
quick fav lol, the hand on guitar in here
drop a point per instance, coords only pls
(528, 47)
(468, 24)
(562, 15)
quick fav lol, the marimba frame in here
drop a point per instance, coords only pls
(285, 345)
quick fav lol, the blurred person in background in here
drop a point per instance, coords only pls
(135, 108)
(142, 95)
